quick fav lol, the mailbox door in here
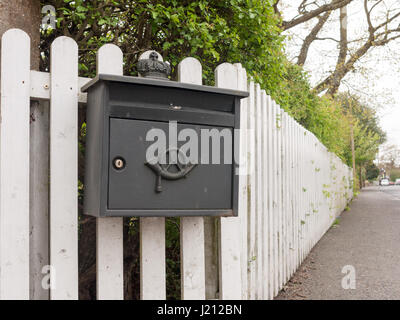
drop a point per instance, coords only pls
(133, 185)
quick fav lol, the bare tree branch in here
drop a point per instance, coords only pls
(308, 15)
(379, 35)
(311, 37)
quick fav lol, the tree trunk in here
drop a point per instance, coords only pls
(25, 15)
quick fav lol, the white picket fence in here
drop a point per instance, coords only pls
(294, 191)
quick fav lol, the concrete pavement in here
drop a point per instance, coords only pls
(367, 238)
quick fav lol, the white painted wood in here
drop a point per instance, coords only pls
(192, 228)
(265, 186)
(252, 193)
(229, 259)
(110, 245)
(243, 177)
(39, 198)
(259, 194)
(110, 259)
(279, 197)
(41, 84)
(304, 197)
(303, 190)
(294, 193)
(226, 77)
(152, 259)
(14, 165)
(290, 196)
(64, 169)
(284, 193)
(275, 187)
(270, 189)
(192, 258)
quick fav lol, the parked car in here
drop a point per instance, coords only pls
(385, 182)
(397, 182)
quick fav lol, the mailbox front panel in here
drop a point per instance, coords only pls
(134, 186)
(120, 181)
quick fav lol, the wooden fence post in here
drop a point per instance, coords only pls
(39, 198)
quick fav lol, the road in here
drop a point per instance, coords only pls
(367, 238)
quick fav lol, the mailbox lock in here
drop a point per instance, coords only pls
(119, 163)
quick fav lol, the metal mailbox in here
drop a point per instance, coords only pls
(123, 180)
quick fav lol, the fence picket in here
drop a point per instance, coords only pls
(152, 256)
(252, 193)
(259, 194)
(14, 165)
(64, 169)
(192, 228)
(109, 250)
(229, 242)
(243, 186)
(279, 197)
(152, 259)
(265, 234)
(270, 184)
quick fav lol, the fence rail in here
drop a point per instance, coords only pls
(292, 191)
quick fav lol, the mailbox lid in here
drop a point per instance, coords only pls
(142, 98)
(161, 83)
(206, 187)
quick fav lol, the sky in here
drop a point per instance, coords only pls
(377, 76)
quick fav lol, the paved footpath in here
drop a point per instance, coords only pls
(368, 238)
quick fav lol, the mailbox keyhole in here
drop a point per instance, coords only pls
(119, 163)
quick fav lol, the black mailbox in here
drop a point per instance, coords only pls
(124, 115)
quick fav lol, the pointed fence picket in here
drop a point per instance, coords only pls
(291, 189)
